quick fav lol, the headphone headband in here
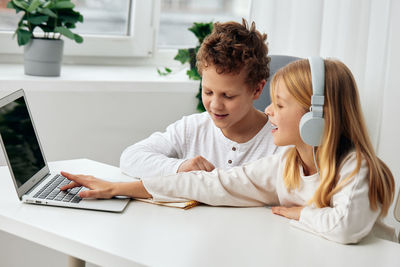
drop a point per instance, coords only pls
(317, 67)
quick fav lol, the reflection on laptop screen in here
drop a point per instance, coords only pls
(20, 141)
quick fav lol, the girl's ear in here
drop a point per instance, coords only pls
(258, 90)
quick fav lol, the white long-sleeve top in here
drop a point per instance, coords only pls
(348, 219)
(195, 135)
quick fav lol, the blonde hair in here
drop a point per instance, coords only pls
(344, 131)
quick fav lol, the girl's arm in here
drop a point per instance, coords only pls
(104, 189)
(349, 217)
(252, 184)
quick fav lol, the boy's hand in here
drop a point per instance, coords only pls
(291, 213)
(196, 164)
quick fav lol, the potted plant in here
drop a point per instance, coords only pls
(200, 30)
(43, 51)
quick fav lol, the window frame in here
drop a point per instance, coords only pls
(140, 41)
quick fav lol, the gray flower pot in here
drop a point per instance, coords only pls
(42, 57)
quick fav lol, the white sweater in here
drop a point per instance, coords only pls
(347, 220)
(195, 135)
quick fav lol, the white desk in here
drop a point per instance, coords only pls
(146, 234)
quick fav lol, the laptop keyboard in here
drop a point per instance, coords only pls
(52, 191)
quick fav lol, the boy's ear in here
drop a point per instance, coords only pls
(258, 90)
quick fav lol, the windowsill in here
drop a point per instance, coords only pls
(99, 79)
(101, 74)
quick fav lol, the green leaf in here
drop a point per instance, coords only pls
(39, 19)
(48, 12)
(183, 56)
(69, 17)
(22, 20)
(46, 28)
(70, 25)
(64, 5)
(193, 74)
(47, 4)
(21, 4)
(34, 4)
(78, 38)
(66, 32)
(201, 30)
(10, 5)
(200, 106)
(166, 71)
(24, 36)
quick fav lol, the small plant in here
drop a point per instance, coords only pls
(54, 17)
(200, 30)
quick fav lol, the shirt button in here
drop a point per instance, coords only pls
(229, 161)
(234, 148)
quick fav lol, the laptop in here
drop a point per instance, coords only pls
(27, 164)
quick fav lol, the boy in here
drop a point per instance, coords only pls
(233, 64)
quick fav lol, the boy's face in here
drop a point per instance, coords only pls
(284, 114)
(227, 98)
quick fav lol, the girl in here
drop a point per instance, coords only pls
(343, 202)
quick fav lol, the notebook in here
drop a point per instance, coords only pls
(28, 166)
(181, 205)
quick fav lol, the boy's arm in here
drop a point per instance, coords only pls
(158, 155)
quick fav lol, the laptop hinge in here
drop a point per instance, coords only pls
(37, 184)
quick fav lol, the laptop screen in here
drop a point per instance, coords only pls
(20, 142)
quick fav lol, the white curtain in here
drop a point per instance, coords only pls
(353, 31)
(365, 35)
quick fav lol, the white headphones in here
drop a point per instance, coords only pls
(312, 123)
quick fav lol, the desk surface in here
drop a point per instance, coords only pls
(146, 234)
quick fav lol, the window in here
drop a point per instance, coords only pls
(104, 17)
(178, 15)
(110, 28)
(128, 28)
(8, 18)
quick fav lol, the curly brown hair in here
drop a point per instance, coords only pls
(233, 46)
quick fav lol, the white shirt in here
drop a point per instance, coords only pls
(195, 135)
(347, 220)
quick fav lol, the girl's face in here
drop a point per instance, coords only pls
(227, 98)
(285, 114)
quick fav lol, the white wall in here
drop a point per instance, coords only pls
(98, 119)
(95, 118)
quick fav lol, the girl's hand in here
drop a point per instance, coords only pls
(291, 213)
(99, 188)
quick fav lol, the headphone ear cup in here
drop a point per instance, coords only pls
(311, 129)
